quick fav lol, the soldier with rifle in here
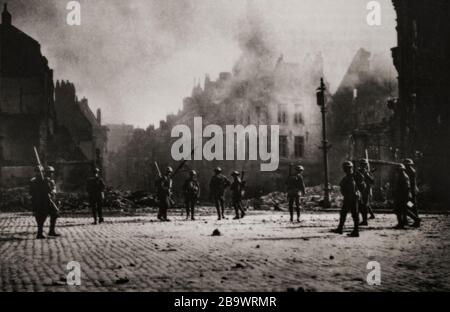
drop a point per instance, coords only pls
(364, 175)
(164, 192)
(43, 191)
(402, 199)
(412, 175)
(217, 187)
(191, 190)
(237, 188)
(295, 188)
(96, 191)
(350, 187)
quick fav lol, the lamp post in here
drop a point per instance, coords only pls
(325, 146)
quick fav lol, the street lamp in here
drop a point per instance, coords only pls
(325, 146)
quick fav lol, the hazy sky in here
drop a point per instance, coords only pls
(137, 59)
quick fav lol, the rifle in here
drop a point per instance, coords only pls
(183, 162)
(157, 170)
(41, 172)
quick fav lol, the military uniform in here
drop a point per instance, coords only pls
(217, 187)
(402, 196)
(96, 188)
(191, 189)
(164, 192)
(295, 188)
(350, 190)
(365, 181)
(237, 187)
(412, 175)
(43, 191)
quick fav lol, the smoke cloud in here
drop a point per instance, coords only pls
(137, 59)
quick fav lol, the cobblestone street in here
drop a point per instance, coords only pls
(262, 252)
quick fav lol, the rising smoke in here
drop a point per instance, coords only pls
(137, 59)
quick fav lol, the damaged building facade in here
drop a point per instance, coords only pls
(35, 112)
(81, 138)
(27, 112)
(422, 111)
(360, 119)
(282, 95)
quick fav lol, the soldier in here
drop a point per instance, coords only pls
(96, 191)
(217, 187)
(402, 199)
(164, 192)
(237, 187)
(295, 189)
(412, 175)
(42, 190)
(191, 190)
(365, 182)
(350, 191)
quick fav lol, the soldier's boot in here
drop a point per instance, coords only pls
(291, 213)
(100, 214)
(416, 223)
(219, 216)
(340, 228)
(40, 232)
(355, 232)
(298, 214)
(52, 231)
(187, 213)
(94, 214)
(372, 215)
(242, 212)
(223, 212)
(192, 214)
(165, 216)
(400, 224)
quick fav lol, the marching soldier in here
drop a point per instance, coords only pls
(402, 199)
(164, 191)
(96, 191)
(350, 191)
(42, 190)
(237, 188)
(365, 182)
(412, 175)
(295, 188)
(191, 190)
(217, 187)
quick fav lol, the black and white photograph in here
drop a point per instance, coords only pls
(224, 146)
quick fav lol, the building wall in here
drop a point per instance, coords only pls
(27, 116)
(422, 112)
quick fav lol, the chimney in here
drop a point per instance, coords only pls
(6, 16)
(99, 116)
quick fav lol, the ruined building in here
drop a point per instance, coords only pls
(359, 117)
(27, 114)
(33, 112)
(283, 95)
(81, 138)
(422, 110)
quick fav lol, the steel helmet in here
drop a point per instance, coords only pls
(408, 162)
(49, 169)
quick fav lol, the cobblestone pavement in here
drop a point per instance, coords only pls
(262, 252)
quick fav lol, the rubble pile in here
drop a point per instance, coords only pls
(19, 199)
(312, 201)
(15, 199)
